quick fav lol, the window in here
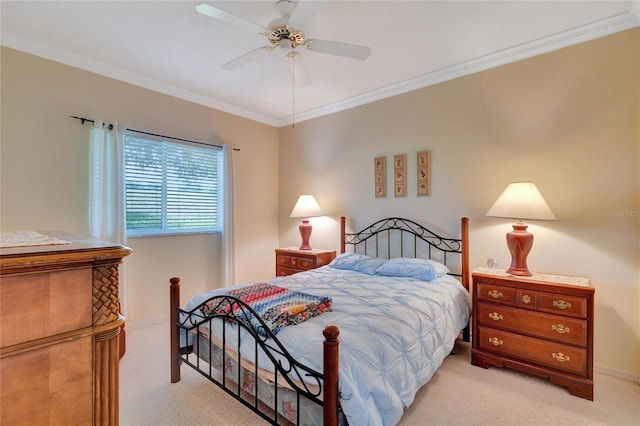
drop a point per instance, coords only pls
(172, 187)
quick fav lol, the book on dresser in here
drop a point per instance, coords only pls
(541, 325)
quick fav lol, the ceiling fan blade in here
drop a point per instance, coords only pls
(230, 18)
(339, 49)
(246, 58)
(298, 69)
(304, 12)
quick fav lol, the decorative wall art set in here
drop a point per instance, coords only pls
(423, 178)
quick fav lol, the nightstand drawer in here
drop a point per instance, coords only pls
(284, 270)
(561, 304)
(303, 262)
(555, 327)
(294, 263)
(550, 354)
(496, 293)
(283, 260)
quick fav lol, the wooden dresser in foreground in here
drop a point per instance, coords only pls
(291, 260)
(59, 333)
(541, 325)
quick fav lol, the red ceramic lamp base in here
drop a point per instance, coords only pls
(305, 232)
(519, 242)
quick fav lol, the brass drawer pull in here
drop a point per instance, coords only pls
(495, 294)
(559, 356)
(561, 304)
(495, 316)
(496, 342)
(526, 299)
(561, 329)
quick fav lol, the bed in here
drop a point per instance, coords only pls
(387, 312)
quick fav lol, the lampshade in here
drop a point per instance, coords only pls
(521, 200)
(307, 206)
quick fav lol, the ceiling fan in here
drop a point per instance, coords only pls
(283, 33)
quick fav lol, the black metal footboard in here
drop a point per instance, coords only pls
(282, 391)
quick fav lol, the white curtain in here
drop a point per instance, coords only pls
(108, 191)
(228, 246)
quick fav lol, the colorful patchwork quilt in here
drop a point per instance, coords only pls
(277, 306)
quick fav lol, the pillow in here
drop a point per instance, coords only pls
(357, 262)
(422, 269)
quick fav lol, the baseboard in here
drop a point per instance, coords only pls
(619, 374)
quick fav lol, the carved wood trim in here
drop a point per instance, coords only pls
(106, 300)
(44, 342)
(106, 369)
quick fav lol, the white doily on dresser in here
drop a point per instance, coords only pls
(560, 279)
(27, 238)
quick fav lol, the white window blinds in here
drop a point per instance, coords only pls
(172, 187)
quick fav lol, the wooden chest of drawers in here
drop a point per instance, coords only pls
(59, 334)
(540, 325)
(292, 260)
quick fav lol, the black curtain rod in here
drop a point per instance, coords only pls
(83, 120)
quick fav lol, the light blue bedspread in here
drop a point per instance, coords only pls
(394, 334)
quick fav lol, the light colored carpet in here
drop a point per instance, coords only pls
(458, 394)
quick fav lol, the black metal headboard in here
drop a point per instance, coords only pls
(398, 237)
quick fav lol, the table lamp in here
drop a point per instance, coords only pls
(306, 207)
(521, 200)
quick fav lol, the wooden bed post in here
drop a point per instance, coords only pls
(174, 302)
(464, 223)
(330, 372)
(343, 229)
(464, 232)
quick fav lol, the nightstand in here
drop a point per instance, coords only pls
(541, 325)
(291, 260)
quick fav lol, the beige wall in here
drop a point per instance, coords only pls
(567, 120)
(45, 184)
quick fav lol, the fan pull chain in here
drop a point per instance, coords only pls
(293, 92)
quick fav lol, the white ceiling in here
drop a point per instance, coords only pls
(166, 46)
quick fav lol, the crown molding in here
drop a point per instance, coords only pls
(558, 41)
(622, 22)
(23, 44)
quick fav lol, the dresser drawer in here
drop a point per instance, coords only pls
(549, 354)
(283, 260)
(296, 262)
(282, 271)
(496, 293)
(565, 305)
(555, 327)
(36, 306)
(303, 262)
